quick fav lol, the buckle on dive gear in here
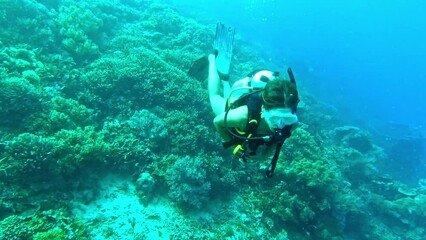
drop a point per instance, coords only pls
(240, 153)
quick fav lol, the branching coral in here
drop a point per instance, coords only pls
(138, 81)
(29, 156)
(188, 181)
(77, 23)
(80, 147)
(148, 126)
(45, 225)
(187, 133)
(163, 19)
(19, 99)
(59, 113)
(193, 180)
(20, 58)
(307, 161)
(29, 23)
(13, 227)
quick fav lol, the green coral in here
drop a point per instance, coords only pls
(144, 79)
(61, 113)
(50, 224)
(308, 162)
(128, 149)
(80, 148)
(149, 129)
(29, 156)
(52, 234)
(163, 19)
(28, 23)
(19, 100)
(20, 58)
(187, 133)
(14, 228)
(188, 181)
(77, 24)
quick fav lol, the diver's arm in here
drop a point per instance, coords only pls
(236, 118)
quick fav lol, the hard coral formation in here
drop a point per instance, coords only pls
(78, 26)
(101, 86)
(29, 156)
(19, 100)
(188, 181)
(79, 148)
(307, 161)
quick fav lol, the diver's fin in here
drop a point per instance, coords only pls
(200, 69)
(223, 43)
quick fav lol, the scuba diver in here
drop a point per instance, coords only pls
(255, 115)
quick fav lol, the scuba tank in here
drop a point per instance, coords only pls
(255, 80)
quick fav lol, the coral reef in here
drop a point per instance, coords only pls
(42, 226)
(103, 135)
(19, 100)
(76, 24)
(188, 182)
(80, 147)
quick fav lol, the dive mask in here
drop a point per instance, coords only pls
(278, 118)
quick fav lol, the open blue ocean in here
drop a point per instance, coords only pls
(106, 132)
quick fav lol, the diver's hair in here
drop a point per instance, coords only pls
(280, 93)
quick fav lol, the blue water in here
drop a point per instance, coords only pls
(367, 58)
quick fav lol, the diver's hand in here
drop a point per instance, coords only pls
(242, 156)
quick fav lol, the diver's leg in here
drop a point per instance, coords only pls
(217, 102)
(226, 89)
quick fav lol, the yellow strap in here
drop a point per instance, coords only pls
(253, 121)
(239, 146)
(237, 149)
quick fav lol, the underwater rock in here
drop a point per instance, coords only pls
(29, 210)
(410, 192)
(145, 183)
(353, 137)
(6, 211)
(341, 132)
